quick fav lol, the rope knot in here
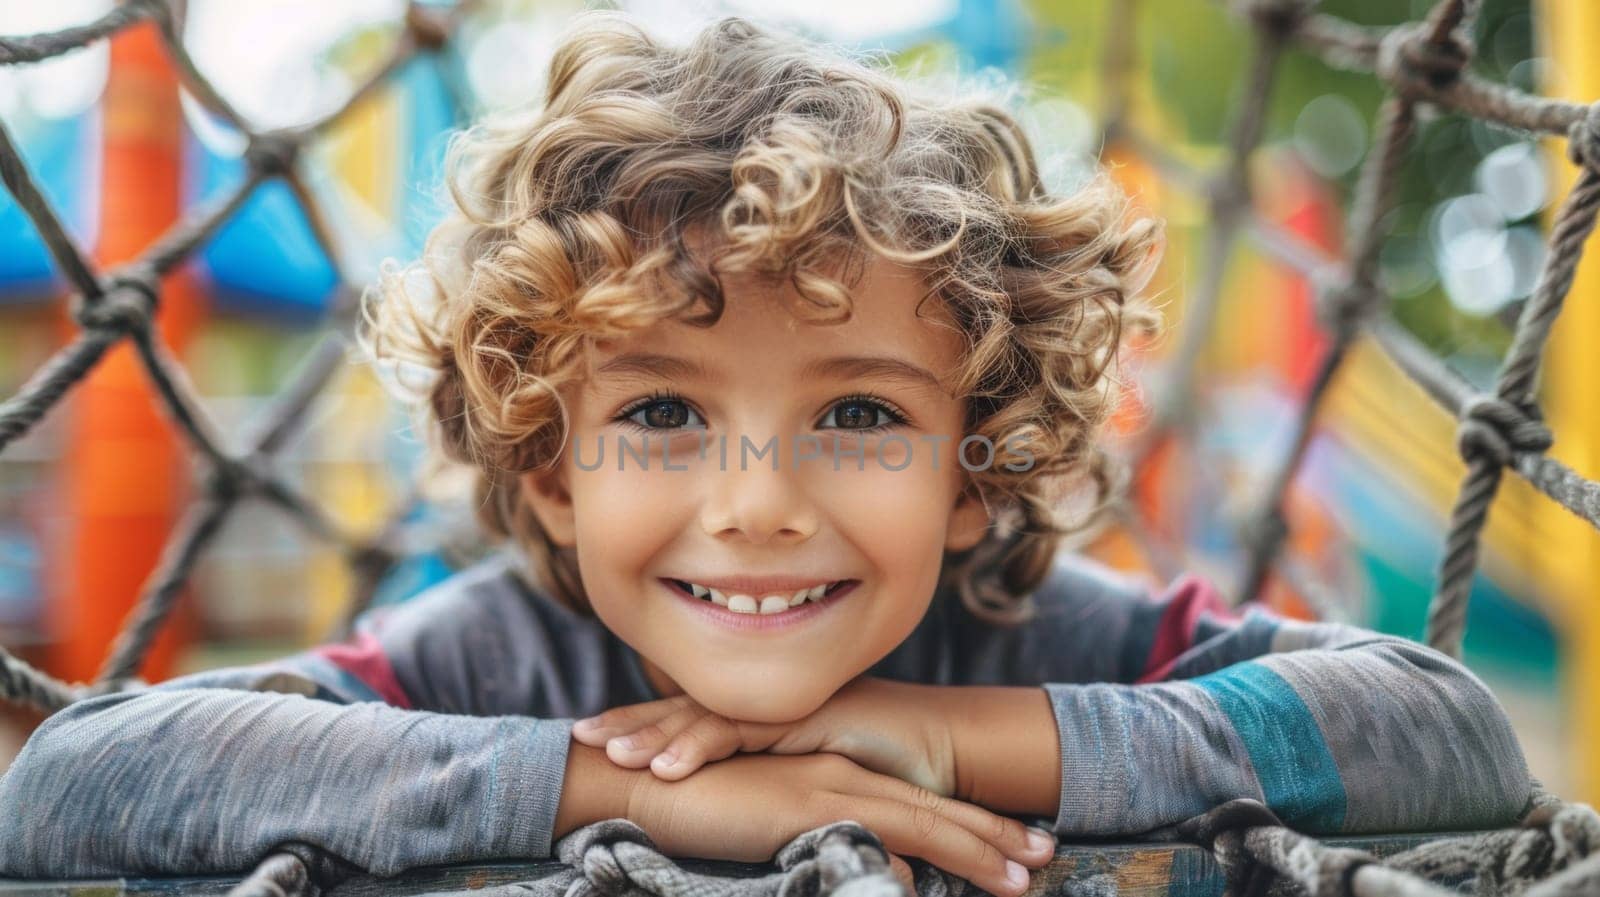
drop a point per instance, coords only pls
(1236, 814)
(1278, 18)
(1551, 838)
(1574, 834)
(428, 29)
(1336, 871)
(595, 849)
(1221, 831)
(1417, 65)
(615, 857)
(127, 305)
(272, 153)
(822, 860)
(1495, 427)
(1583, 139)
(1343, 307)
(230, 481)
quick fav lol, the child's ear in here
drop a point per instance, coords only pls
(546, 494)
(969, 520)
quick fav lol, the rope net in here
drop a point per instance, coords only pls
(1555, 851)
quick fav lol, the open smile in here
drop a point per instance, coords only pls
(753, 620)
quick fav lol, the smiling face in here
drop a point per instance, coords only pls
(883, 518)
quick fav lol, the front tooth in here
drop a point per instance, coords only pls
(698, 590)
(718, 598)
(742, 604)
(815, 592)
(774, 604)
(799, 598)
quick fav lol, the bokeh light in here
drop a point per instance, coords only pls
(57, 88)
(1331, 135)
(272, 62)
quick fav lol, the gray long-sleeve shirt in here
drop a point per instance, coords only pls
(438, 733)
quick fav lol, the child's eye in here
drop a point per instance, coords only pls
(668, 411)
(864, 414)
(661, 411)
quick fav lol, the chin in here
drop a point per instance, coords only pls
(757, 705)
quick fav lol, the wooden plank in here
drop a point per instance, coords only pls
(1102, 870)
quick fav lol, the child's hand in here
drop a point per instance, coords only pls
(886, 726)
(748, 807)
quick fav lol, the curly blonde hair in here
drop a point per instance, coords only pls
(572, 223)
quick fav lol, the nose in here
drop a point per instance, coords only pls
(758, 504)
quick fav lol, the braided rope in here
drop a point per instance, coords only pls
(1258, 852)
(278, 875)
(1422, 63)
(616, 857)
(1493, 427)
(1228, 197)
(1432, 53)
(122, 304)
(68, 257)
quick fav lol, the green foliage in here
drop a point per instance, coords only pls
(1195, 55)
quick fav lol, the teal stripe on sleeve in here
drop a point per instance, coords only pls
(1291, 759)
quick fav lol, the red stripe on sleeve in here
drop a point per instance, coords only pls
(1189, 598)
(364, 659)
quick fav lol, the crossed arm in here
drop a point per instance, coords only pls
(1335, 728)
(1124, 714)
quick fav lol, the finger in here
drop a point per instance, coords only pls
(902, 871)
(920, 831)
(710, 738)
(595, 730)
(1010, 836)
(1018, 841)
(635, 749)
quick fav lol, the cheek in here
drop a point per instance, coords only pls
(625, 515)
(898, 517)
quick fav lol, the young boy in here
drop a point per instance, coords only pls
(750, 247)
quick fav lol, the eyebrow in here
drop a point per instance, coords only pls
(839, 366)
